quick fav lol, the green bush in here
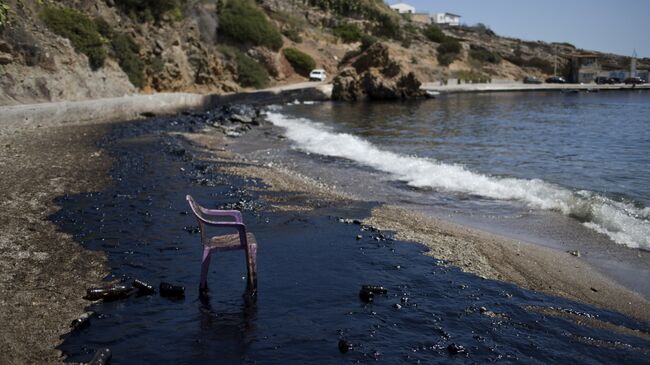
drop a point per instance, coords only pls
(483, 55)
(366, 41)
(149, 10)
(365, 9)
(157, 65)
(348, 32)
(483, 29)
(249, 72)
(127, 53)
(245, 22)
(103, 28)
(433, 33)
(448, 50)
(293, 34)
(450, 46)
(79, 29)
(387, 26)
(534, 62)
(565, 44)
(387, 21)
(4, 14)
(300, 61)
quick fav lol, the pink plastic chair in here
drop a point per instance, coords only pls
(240, 240)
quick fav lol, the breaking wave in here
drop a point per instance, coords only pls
(622, 222)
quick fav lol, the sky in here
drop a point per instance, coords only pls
(618, 26)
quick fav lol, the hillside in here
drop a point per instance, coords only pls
(74, 50)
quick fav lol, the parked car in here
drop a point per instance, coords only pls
(317, 75)
(531, 80)
(634, 81)
(607, 80)
(556, 80)
(601, 80)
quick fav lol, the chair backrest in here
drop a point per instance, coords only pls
(196, 208)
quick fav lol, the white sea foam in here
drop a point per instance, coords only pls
(622, 222)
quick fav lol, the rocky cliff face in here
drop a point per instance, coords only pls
(376, 75)
(37, 65)
(184, 51)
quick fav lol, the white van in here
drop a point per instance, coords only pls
(317, 75)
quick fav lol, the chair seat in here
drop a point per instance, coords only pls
(229, 242)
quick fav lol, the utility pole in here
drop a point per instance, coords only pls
(555, 60)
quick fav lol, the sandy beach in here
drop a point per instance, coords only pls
(44, 273)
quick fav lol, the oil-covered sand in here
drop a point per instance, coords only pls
(311, 265)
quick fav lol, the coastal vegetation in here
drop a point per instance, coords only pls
(249, 72)
(301, 62)
(533, 62)
(293, 34)
(128, 57)
(150, 10)
(448, 51)
(348, 32)
(4, 14)
(125, 49)
(79, 29)
(172, 45)
(483, 55)
(243, 21)
(387, 23)
(434, 33)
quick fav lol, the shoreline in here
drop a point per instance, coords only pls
(60, 157)
(527, 265)
(140, 106)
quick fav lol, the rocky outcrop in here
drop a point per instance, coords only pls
(5, 53)
(376, 75)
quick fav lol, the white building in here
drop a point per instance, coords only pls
(403, 8)
(446, 18)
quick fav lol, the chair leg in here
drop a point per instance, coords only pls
(205, 266)
(251, 263)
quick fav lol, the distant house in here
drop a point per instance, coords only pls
(446, 18)
(584, 68)
(403, 8)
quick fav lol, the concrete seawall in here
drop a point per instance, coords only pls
(13, 118)
(31, 116)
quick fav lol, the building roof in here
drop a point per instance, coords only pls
(452, 14)
(402, 6)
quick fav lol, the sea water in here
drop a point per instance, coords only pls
(571, 171)
(586, 156)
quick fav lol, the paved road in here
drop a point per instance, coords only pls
(518, 86)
